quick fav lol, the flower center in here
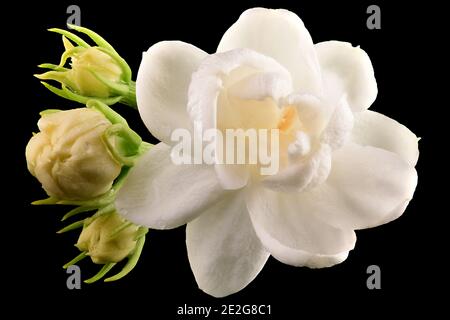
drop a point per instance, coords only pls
(289, 119)
(256, 119)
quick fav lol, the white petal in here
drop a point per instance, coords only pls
(306, 173)
(293, 233)
(377, 130)
(161, 195)
(232, 176)
(261, 85)
(366, 187)
(162, 86)
(223, 70)
(340, 125)
(279, 34)
(347, 69)
(314, 114)
(224, 252)
(300, 147)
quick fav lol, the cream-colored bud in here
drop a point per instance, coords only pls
(81, 78)
(100, 242)
(69, 157)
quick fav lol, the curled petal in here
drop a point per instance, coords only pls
(308, 172)
(347, 70)
(314, 114)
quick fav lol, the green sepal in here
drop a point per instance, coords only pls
(126, 71)
(99, 40)
(77, 210)
(78, 258)
(66, 93)
(132, 261)
(97, 202)
(69, 53)
(103, 271)
(48, 111)
(71, 36)
(119, 229)
(123, 143)
(52, 66)
(72, 226)
(47, 201)
(103, 44)
(108, 112)
(119, 89)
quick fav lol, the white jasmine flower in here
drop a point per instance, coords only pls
(342, 167)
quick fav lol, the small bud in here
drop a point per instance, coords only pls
(69, 157)
(108, 238)
(94, 72)
(87, 67)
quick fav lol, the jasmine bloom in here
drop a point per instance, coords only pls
(342, 167)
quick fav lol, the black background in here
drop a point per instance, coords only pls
(162, 281)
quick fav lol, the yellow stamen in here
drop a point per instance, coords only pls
(288, 120)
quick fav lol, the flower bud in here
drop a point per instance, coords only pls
(69, 157)
(88, 66)
(94, 72)
(108, 238)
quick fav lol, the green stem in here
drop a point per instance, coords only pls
(130, 98)
(105, 210)
(142, 231)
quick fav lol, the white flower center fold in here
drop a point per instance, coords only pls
(265, 133)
